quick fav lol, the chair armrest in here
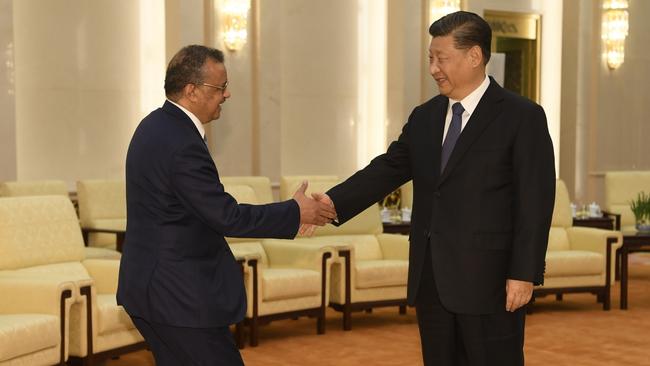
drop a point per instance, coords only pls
(394, 246)
(296, 254)
(27, 294)
(616, 217)
(244, 254)
(593, 240)
(105, 273)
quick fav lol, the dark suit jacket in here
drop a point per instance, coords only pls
(176, 267)
(487, 216)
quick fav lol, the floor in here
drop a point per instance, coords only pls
(572, 332)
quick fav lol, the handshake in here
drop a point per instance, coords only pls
(317, 210)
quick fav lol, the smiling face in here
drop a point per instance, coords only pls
(205, 101)
(456, 71)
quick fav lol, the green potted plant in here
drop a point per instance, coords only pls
(641, 209)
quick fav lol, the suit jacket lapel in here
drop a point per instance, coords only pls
(488, 108)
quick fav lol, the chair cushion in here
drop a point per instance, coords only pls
(558, 239)
(111, 316)
(574, 263)
(285, 283)
(381, 273)
(22, 334)
(101, 253)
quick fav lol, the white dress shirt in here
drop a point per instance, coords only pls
(197, 123)
(469, 103)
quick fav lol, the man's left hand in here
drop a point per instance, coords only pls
(518, 294)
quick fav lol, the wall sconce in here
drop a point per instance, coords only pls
(440, 8)
(614, 30)
(235, 19)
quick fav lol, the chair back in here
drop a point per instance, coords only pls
(558, 238)
(260, 185)
(34, 188)
(38, 231)
(101, 200)
(244, 193)
(623, 187)
(367, 222)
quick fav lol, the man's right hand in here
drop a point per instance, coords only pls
(313, 212)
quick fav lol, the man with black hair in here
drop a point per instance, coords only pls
(179, 281)
(482, 165)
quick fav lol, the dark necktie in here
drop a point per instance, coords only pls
(452, 134)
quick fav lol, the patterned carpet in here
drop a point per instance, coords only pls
(572, 332)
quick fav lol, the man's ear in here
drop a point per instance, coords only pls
(475, 56)
(189, 92)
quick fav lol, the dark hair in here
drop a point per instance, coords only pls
(468, 30)
(186, 67)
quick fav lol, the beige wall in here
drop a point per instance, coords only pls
(295, 86)
(7, 100)
(83, 75)
(604, 109)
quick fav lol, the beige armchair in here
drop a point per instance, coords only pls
(102, 212)
(371, 268)
(34, 321)
(283, 280)
(40, 236)
(578, 259)
(51, 188)
(620, 189)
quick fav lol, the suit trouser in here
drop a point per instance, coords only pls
(450, 339)
(180, 346)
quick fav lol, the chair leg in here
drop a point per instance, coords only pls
(347, 317)
(617, 265)
(402, 309)
(320, 325)
(254, 327)
(559, 297)
(369, 311)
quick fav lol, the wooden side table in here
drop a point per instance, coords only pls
(604, 222)
(634, 241)
(403, 228)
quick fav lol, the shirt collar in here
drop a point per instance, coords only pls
(470, 102)
(197, 123)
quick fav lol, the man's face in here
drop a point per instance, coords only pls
(208, 99)
(454, 70)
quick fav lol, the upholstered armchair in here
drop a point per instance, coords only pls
(102, 212)
(371, 268)
(578, 259)
(50, 188)
(34, 320)
(283, 280)
(40, 236)
(620, 189)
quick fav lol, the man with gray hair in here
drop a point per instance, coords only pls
(179, 281)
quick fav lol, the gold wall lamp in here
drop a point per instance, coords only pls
(614, 31)
(235, 21)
